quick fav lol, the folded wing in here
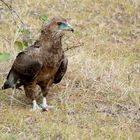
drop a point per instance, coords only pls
(24, 69)
(61, 71)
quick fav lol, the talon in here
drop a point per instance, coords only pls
(35, 106)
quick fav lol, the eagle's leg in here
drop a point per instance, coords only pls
(35, 106)
(30, 93)
(44, 104)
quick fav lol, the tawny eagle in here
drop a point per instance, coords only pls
(43, 63)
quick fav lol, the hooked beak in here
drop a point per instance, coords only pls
(66, 27)
(70, 28)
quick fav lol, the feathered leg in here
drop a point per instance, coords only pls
(45, 90)
(44, 104)
(35, 106)
(30, 93)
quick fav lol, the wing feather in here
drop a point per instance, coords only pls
(26, 66)
(61, 71)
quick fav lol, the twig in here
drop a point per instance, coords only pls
(12, 97)
(4, 38)
(18, 101)
(72, 47)
(13, 93)
(12, 10)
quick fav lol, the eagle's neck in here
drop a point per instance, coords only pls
(51, 48)
(51, 36)
(51, 39)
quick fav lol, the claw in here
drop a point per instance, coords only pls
(44, 105)
(35, 106)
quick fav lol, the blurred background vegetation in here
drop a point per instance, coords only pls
(99, 98)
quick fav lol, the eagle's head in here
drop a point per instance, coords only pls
(58, 24)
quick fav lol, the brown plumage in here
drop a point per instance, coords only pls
(43, 63)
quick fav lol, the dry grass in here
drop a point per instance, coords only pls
(99, 98)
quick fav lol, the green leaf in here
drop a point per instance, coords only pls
(43, 17)
(26, 43)
(25, 31)
(4, 56)
(19, 45)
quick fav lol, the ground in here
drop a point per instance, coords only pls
(99, 97)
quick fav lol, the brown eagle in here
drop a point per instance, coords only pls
(43, 63)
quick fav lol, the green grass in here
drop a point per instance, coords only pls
(99, 97)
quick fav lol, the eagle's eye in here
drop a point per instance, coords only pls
(65, 26)
(59, 23)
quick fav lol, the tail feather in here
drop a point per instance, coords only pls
(11, 81)
(6, 85)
